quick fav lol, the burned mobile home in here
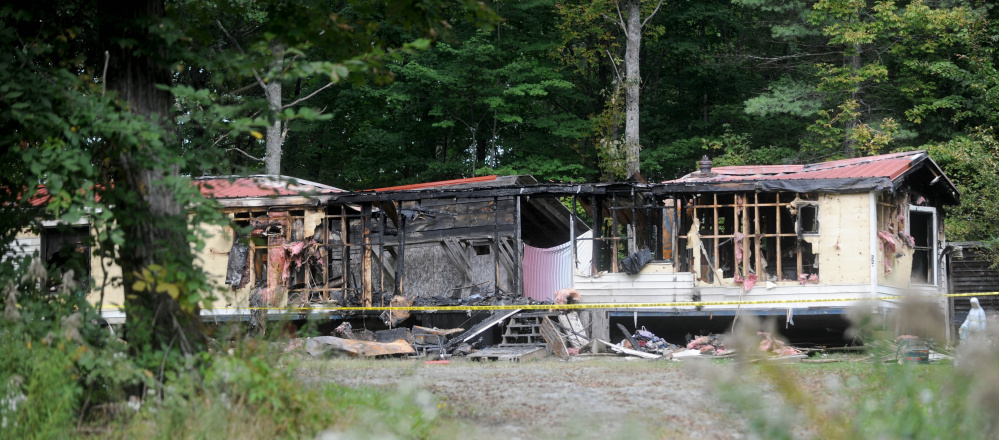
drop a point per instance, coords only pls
(854, 228)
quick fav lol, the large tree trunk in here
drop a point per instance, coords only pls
(632, 82)
(272, 161)
(153, 222)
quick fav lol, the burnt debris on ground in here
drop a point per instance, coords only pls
(527, 335)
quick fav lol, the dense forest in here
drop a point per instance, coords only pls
(539, 88)
(744, 81)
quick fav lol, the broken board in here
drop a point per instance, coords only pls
(354, 348)
(553, 338)
(480, 327)
(577, 332)
(509, 354)
(628, 351)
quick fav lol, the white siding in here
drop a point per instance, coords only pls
(24, 247)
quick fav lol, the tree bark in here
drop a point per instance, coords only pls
(153, 222)
(272, 160)
(632, 81)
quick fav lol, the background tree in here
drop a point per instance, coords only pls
(263, 64)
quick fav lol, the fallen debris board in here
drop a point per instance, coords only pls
(511, 354)
(628, 351)
(577, 333)
(789, 359)
(437, 331)
(480, 327)
(693, 352)
(553, 338)
(820, 361)
(628, 336)
(394, 335)
(394, 317)
(354, 348)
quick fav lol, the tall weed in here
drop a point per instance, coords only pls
(870, 398)
(54, 356)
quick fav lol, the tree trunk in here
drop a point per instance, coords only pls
(632, 81)
(153, 222)
(272, 159)
(852, 124)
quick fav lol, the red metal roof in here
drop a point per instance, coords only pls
(437, 184)
(259, 186)
(889, 166)
(42, 196)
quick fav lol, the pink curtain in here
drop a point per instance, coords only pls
(546, 271)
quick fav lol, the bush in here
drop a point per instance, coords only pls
(254, 392)
(54, 356)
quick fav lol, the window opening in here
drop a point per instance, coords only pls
(66, 248)
(808, 219)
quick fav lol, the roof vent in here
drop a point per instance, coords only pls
(705, 164)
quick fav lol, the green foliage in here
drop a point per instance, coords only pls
(309, 47)
(786, 96)
(255, 393)
(543, 169)
(874, 400)
(54, 359)
(972, 163)
(479, 100)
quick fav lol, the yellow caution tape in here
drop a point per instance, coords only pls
(586, 306)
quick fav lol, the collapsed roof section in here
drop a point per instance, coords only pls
(545, 219)
(263, 190)
(877, 173)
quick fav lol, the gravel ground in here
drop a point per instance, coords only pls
(595, 398)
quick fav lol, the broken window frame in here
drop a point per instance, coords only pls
(315, 286)
(783, 204)
(930, 249)
(55, 236)
(800, 225)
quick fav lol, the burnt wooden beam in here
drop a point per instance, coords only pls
(506, 258)
(400, 266)
(495, 245)
(518, 276)
(572, 235)
(512, 191)
(598, 220)
(616, 234)
(470, 233)
(366, 278)
(455, 251)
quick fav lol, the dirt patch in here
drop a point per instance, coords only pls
(603, 398)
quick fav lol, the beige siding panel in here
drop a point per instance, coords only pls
(843, 242)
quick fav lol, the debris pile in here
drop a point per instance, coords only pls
(709, 345)
(644, 340)
(769, 344)
(526, 336)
